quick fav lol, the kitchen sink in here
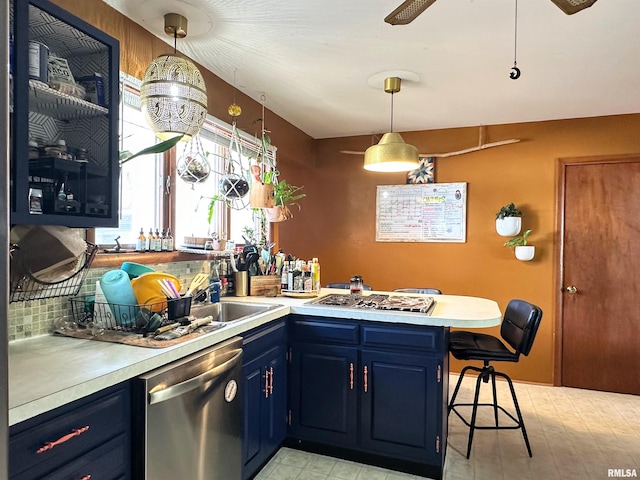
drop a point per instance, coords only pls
(230, 311)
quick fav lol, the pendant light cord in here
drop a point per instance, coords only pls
(391, 130)
(515, 37)
(515, 71)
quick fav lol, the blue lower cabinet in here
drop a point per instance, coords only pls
(324, 394)
(265, 396)
(398, 405)
(88, 438)
(375, 391)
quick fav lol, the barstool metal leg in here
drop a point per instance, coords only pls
(455, 390)
(520, 419)
(472, 424)
(495, 396)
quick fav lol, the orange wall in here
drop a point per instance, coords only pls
(337, 221)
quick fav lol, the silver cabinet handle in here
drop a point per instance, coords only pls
(188, 385)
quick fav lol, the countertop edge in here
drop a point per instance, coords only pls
(135, 361)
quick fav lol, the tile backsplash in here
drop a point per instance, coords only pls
(36, 317)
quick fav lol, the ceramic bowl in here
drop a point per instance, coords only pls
(148, 291)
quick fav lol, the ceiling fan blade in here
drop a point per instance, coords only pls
(408, 11)
(573, 6)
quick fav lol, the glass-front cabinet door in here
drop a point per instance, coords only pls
(64, 119)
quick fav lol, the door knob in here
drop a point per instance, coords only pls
(571, 289)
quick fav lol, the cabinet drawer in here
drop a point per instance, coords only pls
(325, 331)
(76, 429)
(422, 338)
(255, 342)
(107, 462)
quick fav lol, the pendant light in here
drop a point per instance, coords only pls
(173, 92)
(391, 154)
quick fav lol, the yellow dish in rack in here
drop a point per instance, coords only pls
(148, 291)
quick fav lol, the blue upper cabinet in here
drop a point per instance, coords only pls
(64, 119)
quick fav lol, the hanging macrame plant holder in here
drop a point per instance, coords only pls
(193, 167)
(279, 213)
(263, 192)
(234, 186)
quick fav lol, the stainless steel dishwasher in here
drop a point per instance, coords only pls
(190, 422)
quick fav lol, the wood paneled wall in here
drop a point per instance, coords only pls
(337, 221)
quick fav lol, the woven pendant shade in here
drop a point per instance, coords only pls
(174, 97)
(173, 92)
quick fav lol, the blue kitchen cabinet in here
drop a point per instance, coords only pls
(377, 391)
(77, 187)
(323, 393)
(88, 438)
(398, 404)
(264, 374)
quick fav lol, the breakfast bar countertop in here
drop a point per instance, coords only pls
(48, 371)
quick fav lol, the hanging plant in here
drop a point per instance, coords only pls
(285, 195)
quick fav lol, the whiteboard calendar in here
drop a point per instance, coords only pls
(434, 212)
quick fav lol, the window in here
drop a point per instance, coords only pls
(141, 178)
(143, 183)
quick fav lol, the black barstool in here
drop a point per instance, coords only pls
(519, 327)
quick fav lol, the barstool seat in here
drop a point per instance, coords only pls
(519, 327)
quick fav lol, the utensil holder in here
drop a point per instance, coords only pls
(178, 307)
(242, 283)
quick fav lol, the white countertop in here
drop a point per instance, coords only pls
(49, 371)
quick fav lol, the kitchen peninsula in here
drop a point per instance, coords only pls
(48, 372)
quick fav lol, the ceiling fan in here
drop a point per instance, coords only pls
(410, 9)
(481, 146)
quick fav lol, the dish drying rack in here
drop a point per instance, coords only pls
(25, 286)
(126, 318)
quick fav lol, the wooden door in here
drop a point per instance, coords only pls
(600, 322)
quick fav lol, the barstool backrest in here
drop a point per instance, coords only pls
(520, 325)
(426, 291)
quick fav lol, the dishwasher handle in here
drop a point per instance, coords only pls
(188, 385)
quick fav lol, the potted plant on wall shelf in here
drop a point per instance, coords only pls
(522, 250)
(284, 196)
(508, 221)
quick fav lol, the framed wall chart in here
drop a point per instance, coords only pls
(433, 212)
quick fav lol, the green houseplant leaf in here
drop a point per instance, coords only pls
(161, 147)
(509, 210)
(285, 194)
(518, 241)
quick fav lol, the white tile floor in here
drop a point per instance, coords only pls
(574, 434)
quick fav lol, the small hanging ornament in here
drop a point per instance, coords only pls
(234, 109)
(515, 71)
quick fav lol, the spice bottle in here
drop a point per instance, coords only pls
(141, 242)
(284, 283)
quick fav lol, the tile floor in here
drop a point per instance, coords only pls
(574, 434)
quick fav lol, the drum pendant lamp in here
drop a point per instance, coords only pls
(173, 92)
(391, 154)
